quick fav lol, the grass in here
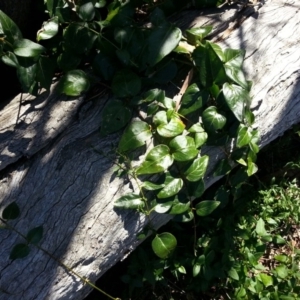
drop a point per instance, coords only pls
(248, 249)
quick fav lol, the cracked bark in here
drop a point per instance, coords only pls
(48, 165)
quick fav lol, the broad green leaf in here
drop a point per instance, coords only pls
(86, 12)
(9, 28)
(236, 75)
(180, 205)
(196, 128)
(115, 116)
(223, 167)
(173, 128)
(213, 120)
(49, 29)
(135, 135)
(196, 35)
(126, 83)
(131, 201)
(251, 168)
(195, 189)
(218, 50)
(19, 251)
(160, 118)
(105, 66)
(27, 74)
(198, 168)
(200, 139)
(260, 227)
(45, 72)
(150, 186)
(279, 240)
(153, 95)
(27, 48)
(73, 83)
(244, 136)
(164, 207)
(192, 100)
(249, 116)
(68, 61)
(232, 273)
(35, 235)
(183, 148)
(266, 279)
(10, 59)
(234, 57)
(185, 217)
(196, 270)
(281, 258)
(11, 211)
(157, 160)
(161, 41)
(206, 207)
(282, 271)
(78, 39)
(164, 244)
(236, 98)
(171, 189)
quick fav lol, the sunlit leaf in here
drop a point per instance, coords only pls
(232, 273)
(260, 227)
(244, 136)
(9, 28)
(10, 59)
(183, 148)
(212, 119)
(196, 35)
(266, 279)
(150, 186)
(171, 189)
(86, 11)
(206, 207)
(198, 168)
(164, 244)
(173, 128)
(27, 48)
(131, 201)
(49, 29)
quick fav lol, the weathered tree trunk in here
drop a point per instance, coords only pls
(49, 167)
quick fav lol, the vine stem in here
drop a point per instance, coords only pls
(69, 269)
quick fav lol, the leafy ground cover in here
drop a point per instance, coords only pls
(248, 250)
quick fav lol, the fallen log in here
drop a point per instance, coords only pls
(49, 167)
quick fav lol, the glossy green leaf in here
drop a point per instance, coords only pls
(161, 41)
(183, 148)
(218, 50)
(244, 136)
(126, 83)
(45, 72)
(131, 201)
(237, 98)
(232, 273)
(282, 271)
(198, 168)
(9, 28)
(180, 205)
(184, 217)
(86, 12)
(49, 29)
(236, 75)
(206, 207)
(153, 95)
(192, 100)
(35, 235)
(73, 83)
(196, 128)
(251, 168)
(266, 279)
(135, 135)
(11, 211)
(173, 128)
(27, 75)
(10, 59)
(115, 116)
(19, 251)
(234, 57)
(200, 139)
(281, 258)
(196, 270)
(171, 189)
(196, 35)
(157, 160)
(78, 39)
(162, 208)
(212, 119)
(27, 48)
(150, 186)
(164, 244)
(260, 227)
(196, 189)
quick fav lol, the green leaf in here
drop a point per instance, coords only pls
(150, 186)
(196, 128)
(27, 74)
(68, 61)
(196, 189)
(126, 83)
(251, 168)
(192, 100)
(27, 48)
(244, 136)
(171, 189)
(173, 128)
(164, 244)
(200, 139)
(9, 28)
(266, 279)
(232, 273)
(260, 227)
(10, 59)
(162, 208)
(135, 135)
(279, 240)
(198, 168)
(196, 35)
(234, 57)
(236, 98)
(86, 12)
(105, 66)
(206, 207)
(157, 160)
(218, 50)
(73, 83)
(49, 29)
(223, 167)
(19, 251)
(236, 75)
(153, 95)
(183, 148)
(11, 211)
(180, 205)
(213, 120)
(115, 116)
(45, 72)
(184, 217)
(282, 271)
(281, 258)
(161, 41)
(131, 201)
(35, 235)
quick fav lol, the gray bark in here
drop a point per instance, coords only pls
(49, 167)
